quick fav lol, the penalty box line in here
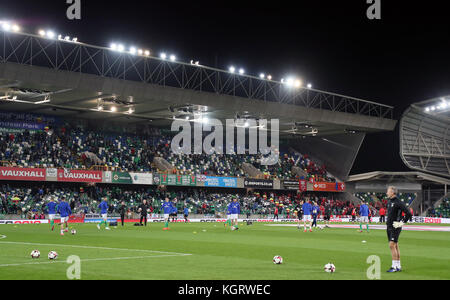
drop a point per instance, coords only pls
(92, 259)
(94, 247)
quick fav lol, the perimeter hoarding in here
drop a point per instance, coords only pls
(175, 180)
(27, 174)
(65, 175)
(258, 183)
(229, 182)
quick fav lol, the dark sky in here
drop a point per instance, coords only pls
(398, 60)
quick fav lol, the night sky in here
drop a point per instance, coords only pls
(399, 60)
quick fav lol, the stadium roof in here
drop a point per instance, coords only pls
(388, 177)
(67, 79)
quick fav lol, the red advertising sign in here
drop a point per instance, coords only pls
(328, 186)
(79, 176)
(303, 185)
(22, 174)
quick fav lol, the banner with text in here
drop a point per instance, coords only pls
(7, 173)
(65, 175)
(229, 182)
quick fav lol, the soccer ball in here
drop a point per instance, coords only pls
(52, 255)
(278, 260)
(329, 268)
(73, 231)
(35, 254)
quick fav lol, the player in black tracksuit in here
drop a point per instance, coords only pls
(394, 223)
(143, 208)
(299, 210)
(122, 212)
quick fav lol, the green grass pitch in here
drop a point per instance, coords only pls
(208, 251)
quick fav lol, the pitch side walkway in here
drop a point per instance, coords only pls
(372, 226)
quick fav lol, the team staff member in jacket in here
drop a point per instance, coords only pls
(143, 209)
(122, 211)
(394, 223)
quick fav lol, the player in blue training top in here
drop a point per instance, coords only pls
(64, 211)
(104, 212)
(228, 222)
(307, 210)
(315, 214)
(186, 214)
(51, 207)
(235, 211)
(363, 216)
(167, 208)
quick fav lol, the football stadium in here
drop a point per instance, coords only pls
(121, 162)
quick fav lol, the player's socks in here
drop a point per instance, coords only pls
(360, 226)
(367, 227)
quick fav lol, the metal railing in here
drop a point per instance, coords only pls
(58, 54)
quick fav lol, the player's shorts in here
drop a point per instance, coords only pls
(393, 234)
(104, 216)
(228, 217)
(166, 216)
(364, 219)
(51, 217)
(64, 219)
(307, 218)
(326, 217)
(234, 216)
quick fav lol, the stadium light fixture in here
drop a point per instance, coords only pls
(6, 26)
(147, 53)
(50, 34)
(232, 69)
(75, 40)
(173, 58)
(15, 28)
(163, 55)
(427, 109)
(133, 50)
(100, 108)
(41, 32)
(262, 76)
(113, 46)
(113, 109)
(140, 52)
(241, 71)
(309, 86)
(269, 77)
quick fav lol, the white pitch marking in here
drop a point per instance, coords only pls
(93, 247)
(91, 259)
(2, 236)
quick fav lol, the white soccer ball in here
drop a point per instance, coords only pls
(52, 255)
(35, 254)
(278, 260)
(73, 231)
(329, 268)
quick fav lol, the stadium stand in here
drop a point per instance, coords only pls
(78, 148)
